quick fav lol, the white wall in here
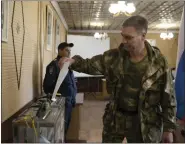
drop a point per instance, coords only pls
(87, 47)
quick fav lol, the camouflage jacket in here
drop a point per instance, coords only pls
(157, 103)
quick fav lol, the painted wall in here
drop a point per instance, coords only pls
(31, 17)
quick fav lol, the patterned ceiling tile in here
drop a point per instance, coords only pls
(79, 14)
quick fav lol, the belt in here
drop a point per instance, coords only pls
(127, 112)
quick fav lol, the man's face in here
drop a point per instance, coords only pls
(132, 39)
(65, 52)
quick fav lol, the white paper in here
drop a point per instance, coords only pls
(62, 75)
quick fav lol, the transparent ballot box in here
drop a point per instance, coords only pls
(49, 128)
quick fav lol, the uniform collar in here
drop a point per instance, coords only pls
(149, 50)
(58, 57)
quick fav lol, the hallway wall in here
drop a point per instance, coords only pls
(13, 98)
(27, 17)
(26, 44)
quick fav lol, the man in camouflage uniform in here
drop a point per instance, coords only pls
(142, 106)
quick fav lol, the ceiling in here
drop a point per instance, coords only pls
(80, 15)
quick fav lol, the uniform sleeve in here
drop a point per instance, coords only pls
(74, 91)
(168, 103)
(50, 79)
(93, 66)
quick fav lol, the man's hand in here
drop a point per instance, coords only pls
(167, 137)
(63, 60)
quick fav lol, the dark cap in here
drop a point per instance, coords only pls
(64, 45)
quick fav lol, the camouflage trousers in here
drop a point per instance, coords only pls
(124, 126)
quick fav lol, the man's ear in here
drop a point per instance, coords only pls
(143, 36)
(59, 51)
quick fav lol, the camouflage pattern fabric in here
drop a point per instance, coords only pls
(127, 125)
(129, 94)
(156, 104)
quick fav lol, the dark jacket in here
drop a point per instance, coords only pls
(68, 87)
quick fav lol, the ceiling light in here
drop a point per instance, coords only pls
(170, 35)
(98, 14)
(122, 7)
(97, 35)
(166, 35)
(100, 35)
(166, 25)
(163, 35)
(99, 24)
(113, 8)
(121, 2)
(130, 8)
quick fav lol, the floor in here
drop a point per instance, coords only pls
(91, 124)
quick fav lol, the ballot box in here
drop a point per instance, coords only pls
(28, 128)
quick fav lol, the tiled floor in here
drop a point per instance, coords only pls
(91, 114)
(91, 124)
(91, 120)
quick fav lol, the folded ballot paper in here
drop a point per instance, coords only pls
(62, 75)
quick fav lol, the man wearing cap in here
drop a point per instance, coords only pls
(68, 87)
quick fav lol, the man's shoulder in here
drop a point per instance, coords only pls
(111, 54)
(112, 51)
(160, 58)
(51, 67)
(52, 63)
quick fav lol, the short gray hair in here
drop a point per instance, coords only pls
(138, 22)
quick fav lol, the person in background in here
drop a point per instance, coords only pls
(68, 87)
(142, 107)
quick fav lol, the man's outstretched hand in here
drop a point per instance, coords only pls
(63, 60)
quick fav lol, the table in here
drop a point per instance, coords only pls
(89, 84)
